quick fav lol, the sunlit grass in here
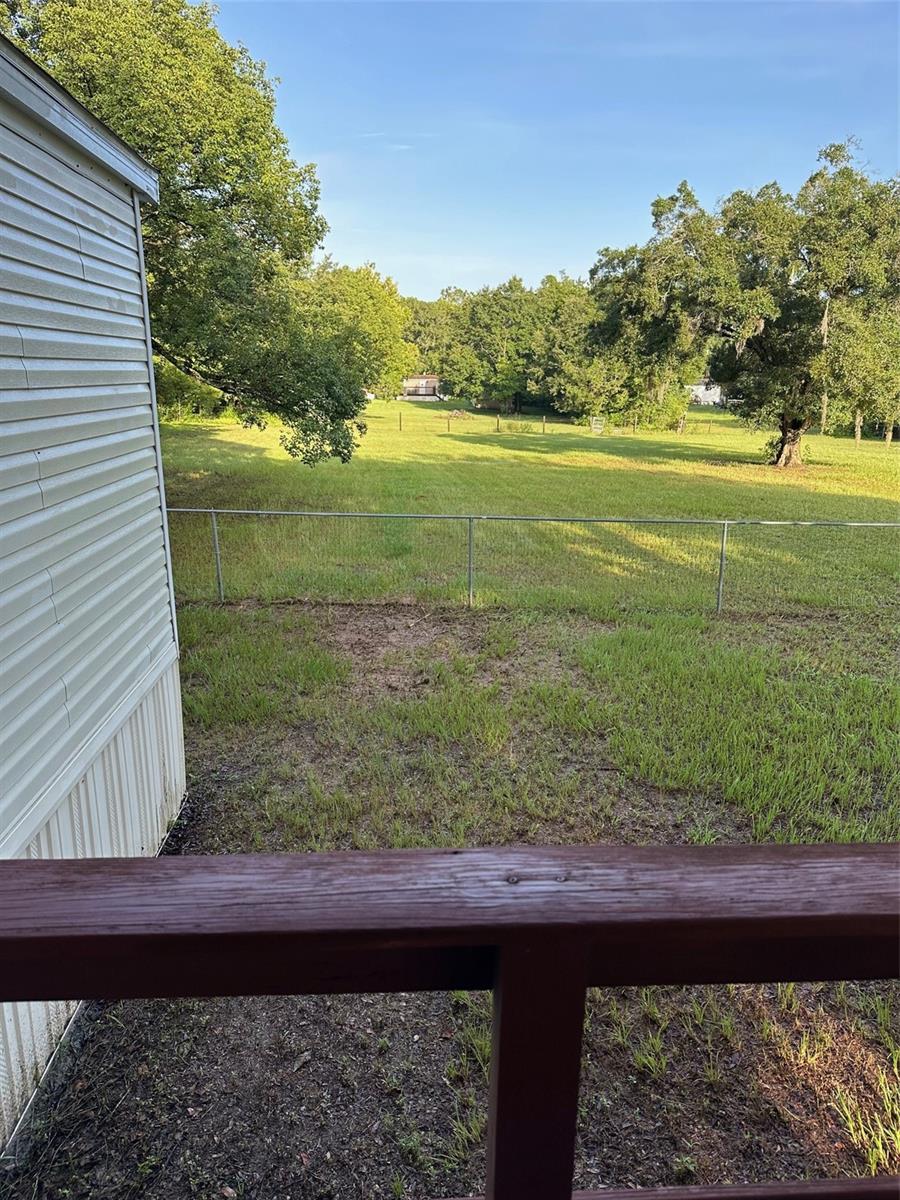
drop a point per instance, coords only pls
(713, 470)
(802, 743)
(810, 756)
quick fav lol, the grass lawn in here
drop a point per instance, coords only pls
(443, 464)
(313, 726)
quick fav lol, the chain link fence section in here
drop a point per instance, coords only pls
(596, 565)
(342, 557)
(799, 568)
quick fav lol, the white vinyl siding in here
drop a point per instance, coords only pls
(85, 605)
(123, 804)
(91, 752)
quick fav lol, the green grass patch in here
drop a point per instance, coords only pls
(251, 668)
(468, 747)
(810, 756)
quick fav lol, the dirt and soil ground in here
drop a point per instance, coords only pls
(402, 726)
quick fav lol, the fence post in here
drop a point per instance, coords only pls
(544, 423)
(539, 995)
(720, 590)
(498, 422)
(471, 561)
(220, 587)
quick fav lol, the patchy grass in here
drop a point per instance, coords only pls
(810, 756)
(251, 671)
(713, 470)
(462, 744)
(320, 727)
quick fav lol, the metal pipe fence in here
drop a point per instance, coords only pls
(336, 565)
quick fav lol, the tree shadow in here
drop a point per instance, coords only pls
(636, 447)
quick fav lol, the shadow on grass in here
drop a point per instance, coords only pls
(224, 476)
(543, 565)
(637, 448)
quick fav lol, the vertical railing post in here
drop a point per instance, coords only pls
(539, 994)
(220, 587)
(720, 590)
(471, 560)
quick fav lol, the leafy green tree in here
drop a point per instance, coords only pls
(647, 320)
(478, 342)
(563, 369)
(230, 244)
(772, 276)
(376, 319)
(498, 325)
(430, 328)
(850, 234)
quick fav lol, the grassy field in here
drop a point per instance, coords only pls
(315, 726)
(418, 458)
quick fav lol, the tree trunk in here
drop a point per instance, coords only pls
(823, 417)
(888, 432)
(857, 428)
(788, 451)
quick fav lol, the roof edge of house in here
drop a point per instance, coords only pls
(30, 88)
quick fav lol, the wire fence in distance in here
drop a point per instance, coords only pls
(590, 564)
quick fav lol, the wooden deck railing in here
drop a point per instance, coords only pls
(539, 926)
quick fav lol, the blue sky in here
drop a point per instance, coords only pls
(460, 143)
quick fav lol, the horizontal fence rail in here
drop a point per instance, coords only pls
(688, 568)
(537, 925)
(819, 1189)
(396, 516)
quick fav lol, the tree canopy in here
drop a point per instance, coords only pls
(759, 282)
(235, 300)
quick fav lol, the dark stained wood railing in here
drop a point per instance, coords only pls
(539, 926)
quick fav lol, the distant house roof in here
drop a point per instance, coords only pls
(29, 88)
